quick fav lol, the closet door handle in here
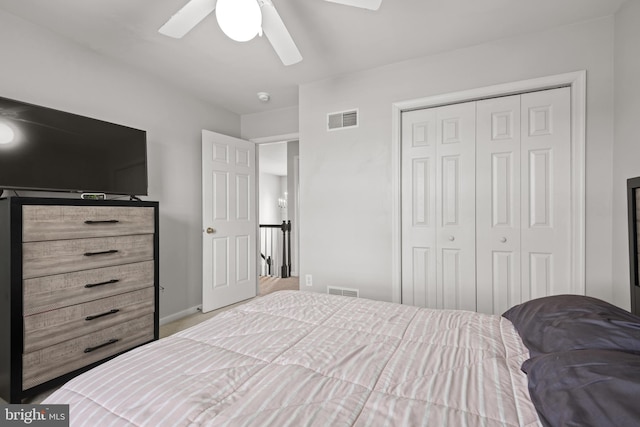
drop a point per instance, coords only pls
(452, 238)
(503, 239)
(106, 221)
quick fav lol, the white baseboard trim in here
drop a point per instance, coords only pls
(179, 315)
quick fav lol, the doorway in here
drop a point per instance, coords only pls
(277, 218)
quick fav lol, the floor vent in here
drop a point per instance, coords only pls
(342, 120)
(345, 292)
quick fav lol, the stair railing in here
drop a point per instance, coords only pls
(270, 243)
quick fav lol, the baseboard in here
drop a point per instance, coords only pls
(181, 314)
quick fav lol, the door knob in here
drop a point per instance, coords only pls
(210, 230)
(503, 240)
(452, 238)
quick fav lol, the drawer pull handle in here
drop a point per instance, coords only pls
(112, 251)
(106, 221)
(114, 311)
(108, 282)
(90, 349)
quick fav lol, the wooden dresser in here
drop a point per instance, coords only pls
(78, 285)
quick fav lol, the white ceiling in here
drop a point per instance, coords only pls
(332, 38)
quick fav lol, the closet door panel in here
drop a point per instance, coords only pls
(453, 292)
(419, 285)
(455, 214)
(505, 283)
(498, 204)
(546, 193)
(423, 278)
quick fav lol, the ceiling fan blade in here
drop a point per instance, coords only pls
(278, 34)
(364, 4)
(188, 17)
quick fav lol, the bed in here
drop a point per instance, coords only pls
(308, 359)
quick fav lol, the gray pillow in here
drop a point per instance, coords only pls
(574, 322)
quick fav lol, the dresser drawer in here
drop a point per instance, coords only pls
(47, 293)
(78, 222)
(51, 362)
(51, 327)
(63, 256)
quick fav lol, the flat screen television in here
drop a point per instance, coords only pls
(46, 149)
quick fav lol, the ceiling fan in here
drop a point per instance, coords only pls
(242, 20)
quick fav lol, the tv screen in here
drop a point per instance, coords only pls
(46, 149)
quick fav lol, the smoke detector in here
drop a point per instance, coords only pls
(264, 96)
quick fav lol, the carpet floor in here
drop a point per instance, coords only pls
(270, 284)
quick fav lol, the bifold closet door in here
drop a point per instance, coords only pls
(546, 197)
(438, 207)
(498, 186)
(524, 195)
(419, 159)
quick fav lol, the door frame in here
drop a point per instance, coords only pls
(577, 81)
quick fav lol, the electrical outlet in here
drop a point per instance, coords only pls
(308, 280)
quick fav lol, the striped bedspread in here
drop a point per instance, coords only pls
(308, 359)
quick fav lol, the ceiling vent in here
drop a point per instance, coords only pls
(342, 120)
(345, 292)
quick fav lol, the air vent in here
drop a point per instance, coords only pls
(342, 120)
(345, 292)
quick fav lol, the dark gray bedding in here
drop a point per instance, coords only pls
(599, 388)
(584, 368)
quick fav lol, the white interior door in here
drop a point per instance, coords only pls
(546, 196)
(498, 205)
(524, 198)
(456, 210)
(486, 202)
(229, 220)
(419, 250)
(438, 207)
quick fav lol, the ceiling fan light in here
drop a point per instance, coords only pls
(6, 134)
(240, 20)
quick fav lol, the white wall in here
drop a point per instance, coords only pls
(268, 198)
(270, 123)
(345, 188)
(42, 68)
(283, 212)
(626, 158)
